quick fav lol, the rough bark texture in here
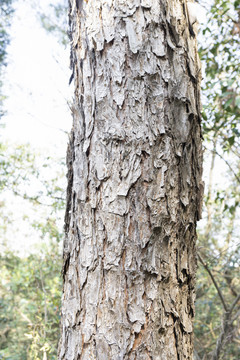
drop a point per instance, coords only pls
(134, 194)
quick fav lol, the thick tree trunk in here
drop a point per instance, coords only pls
(134, 192)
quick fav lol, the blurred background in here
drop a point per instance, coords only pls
(35, 103)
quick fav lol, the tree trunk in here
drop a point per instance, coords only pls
(134, 183)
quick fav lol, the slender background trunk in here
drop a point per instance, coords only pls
(134, 191)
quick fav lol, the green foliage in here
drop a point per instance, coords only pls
(6, 11)
(220, 55)
(219, 243)
(30, 292)
(30, 287)
(29, 175)
(224, 266)
(54, 19)
(16, 165)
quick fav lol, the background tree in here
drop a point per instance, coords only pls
(217, 306)
(134, 183)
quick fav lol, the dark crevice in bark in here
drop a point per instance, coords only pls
(66, 263)
(176, 342)
(70, 160)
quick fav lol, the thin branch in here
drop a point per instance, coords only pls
(214, 282)
(234, 304)
(230, 167)
(220, 253)
(236, 316)
(228, 280)
(196, 356)
(227, 323)
(220, 340)
(209, 194)
(45, 304)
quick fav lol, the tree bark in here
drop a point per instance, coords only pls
(134, 182)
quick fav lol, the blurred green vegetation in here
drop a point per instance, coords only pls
(31, 283)
(218, 240)
(30, 288)
(30, 293)
(6, 11)
(32, 189)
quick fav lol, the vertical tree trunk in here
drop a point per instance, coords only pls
(134, 191)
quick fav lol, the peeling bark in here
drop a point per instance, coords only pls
(135, 189)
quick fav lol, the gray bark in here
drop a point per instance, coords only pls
(134, 183)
